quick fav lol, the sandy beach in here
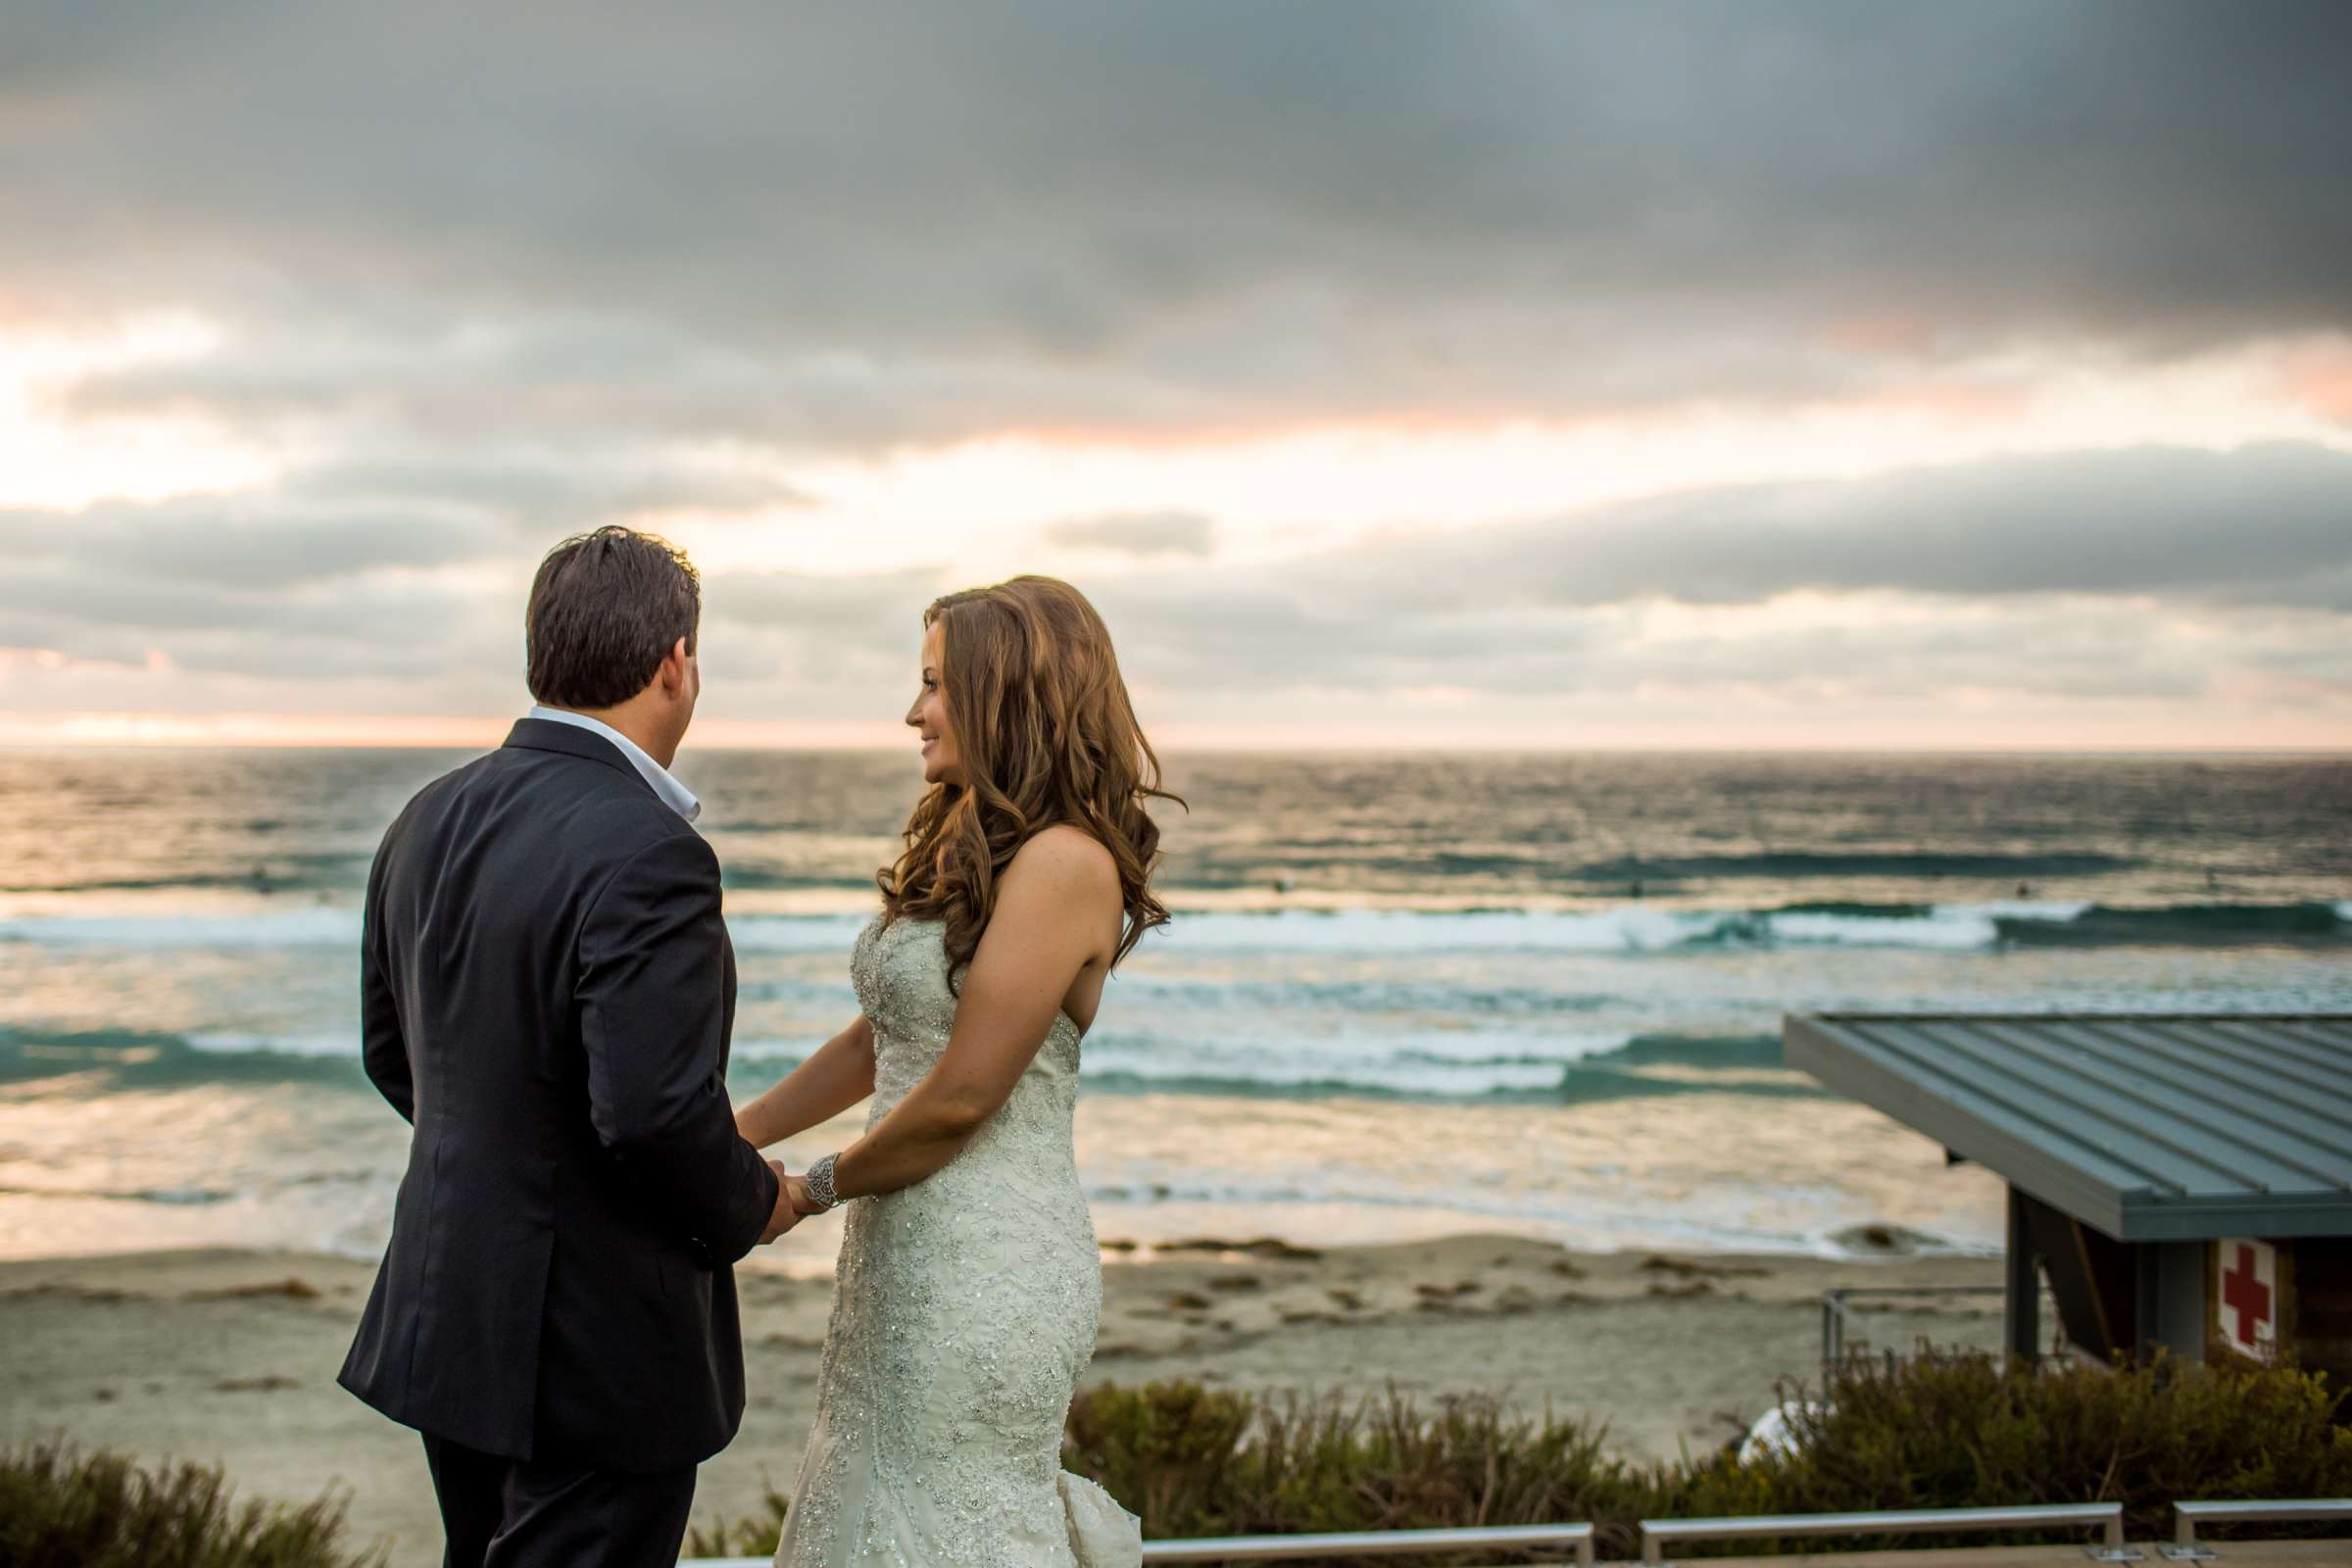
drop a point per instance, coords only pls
(231, 1357)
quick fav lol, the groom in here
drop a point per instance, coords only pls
(546, 993)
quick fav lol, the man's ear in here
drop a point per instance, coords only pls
(673, 668)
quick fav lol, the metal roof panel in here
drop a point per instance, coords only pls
(2148, 1126)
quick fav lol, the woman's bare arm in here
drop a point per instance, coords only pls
(839, 1075)
(1056, 913)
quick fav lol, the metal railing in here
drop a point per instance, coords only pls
(1373, 1543)
(1835, 1308)
(2185, 1546)
(1351, 1543)
(1656, 1533)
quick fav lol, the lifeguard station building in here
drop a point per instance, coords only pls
(2183, 1181)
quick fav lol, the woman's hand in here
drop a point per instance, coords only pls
(796, 1192)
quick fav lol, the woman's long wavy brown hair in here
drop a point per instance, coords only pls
(1047, 736)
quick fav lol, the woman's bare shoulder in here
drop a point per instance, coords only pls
(1065, 861)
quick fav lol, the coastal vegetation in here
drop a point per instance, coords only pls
(64, 1508)
(1941, 1429)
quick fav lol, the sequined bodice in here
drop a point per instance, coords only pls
(900, 974)
(965, 1309)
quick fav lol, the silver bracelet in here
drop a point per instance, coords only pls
(819, 1182)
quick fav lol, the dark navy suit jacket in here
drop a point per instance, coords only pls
(547, 991)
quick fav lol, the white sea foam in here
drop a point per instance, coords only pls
(1450, 1080)
(1466, 1064)
(287, 928)
(227, 1044)
(340, 928)
(1454, 1064)
(1482, 1047)
(1624, 929)
(1631, 929)
(1378, 931)
(793, 933)
(1739, 1224)
(1952, 928)
(2056, 911)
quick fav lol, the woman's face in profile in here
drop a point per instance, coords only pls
(942, 764)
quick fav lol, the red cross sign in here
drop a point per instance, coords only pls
(2248, 1294)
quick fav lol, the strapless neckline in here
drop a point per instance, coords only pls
(1062, 1017)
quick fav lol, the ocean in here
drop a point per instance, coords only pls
(1402, 996)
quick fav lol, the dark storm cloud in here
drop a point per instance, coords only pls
(2054, 574)
(859, 224)
(541, 493)
(194, 545)
(349, 521)
(424, 630)
(2262, 526)
(1520, 660)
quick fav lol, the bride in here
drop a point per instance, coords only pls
(970, 1286)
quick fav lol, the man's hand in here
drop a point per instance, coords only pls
(786, 1216)
(797, 1193)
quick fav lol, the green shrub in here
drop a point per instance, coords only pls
(1195, 1462)
(62, 1509)
(1940, 1429)
(1959, 1430)
(754, 1536)
(1198, 1463)
(1167, 1451)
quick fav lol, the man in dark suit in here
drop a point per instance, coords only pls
(547, 991)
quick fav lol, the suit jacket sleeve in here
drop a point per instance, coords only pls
(653, 1017)
(383, 1050)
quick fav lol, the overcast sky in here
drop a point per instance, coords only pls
(1476, 373)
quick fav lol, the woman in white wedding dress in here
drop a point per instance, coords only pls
(970, 1286)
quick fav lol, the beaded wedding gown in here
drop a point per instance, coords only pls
(965, 1309)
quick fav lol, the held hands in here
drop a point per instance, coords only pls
(796, 1192)
(786, 1215)
(793, 1202)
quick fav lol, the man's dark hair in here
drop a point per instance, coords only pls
(606, 609)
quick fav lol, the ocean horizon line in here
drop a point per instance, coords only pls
(1308, 747)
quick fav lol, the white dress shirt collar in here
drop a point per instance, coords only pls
(674, 795)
